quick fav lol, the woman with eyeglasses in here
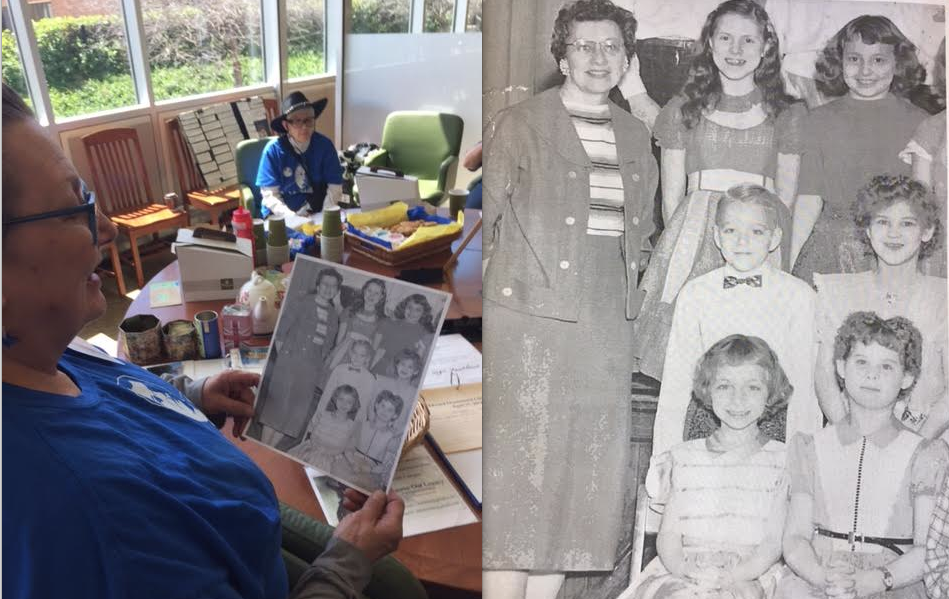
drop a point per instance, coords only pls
(299, 167)
(116, 483)
(569, 182)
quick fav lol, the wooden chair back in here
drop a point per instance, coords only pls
(186, 167)
(119, 176)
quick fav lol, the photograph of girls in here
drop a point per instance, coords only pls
(345, 364)
(715, 300)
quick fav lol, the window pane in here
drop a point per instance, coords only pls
(12, 67)
(85, 56)
(473, 21)
(201, 46)
(306, 34)
(381, 16)
(439, 15)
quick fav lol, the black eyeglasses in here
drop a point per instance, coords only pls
(88, 207)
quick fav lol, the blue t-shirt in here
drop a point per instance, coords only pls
(280, 168)
(128, 491)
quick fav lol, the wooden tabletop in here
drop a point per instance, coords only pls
(450, 558)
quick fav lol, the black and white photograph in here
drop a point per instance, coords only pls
(345, 364)
(715, 309)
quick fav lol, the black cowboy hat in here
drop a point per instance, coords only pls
(296, 101)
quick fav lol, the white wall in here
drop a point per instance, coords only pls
(401, 71)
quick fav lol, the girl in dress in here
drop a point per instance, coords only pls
(732, 123)
(363, 320)
(863, 489)
(407, 371)
(330, 432)
(898, 221)
(870, 66)
(411, 327)
(378, 439)
(927, 153)
(724, 497)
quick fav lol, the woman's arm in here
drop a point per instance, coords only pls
(922, 169)
(785, 182)
(938, 419)
(796, 543)
(673, 181)
(669, 540)
(829, 395)
(909, 567)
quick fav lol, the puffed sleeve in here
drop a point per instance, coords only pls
(789, 129)
(928, 469)
(670, 131)
(801, 460)
(659, 478)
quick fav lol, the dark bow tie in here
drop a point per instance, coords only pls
(730, 281)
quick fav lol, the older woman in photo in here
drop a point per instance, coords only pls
(568, 187)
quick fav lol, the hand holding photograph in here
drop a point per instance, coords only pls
(345, 365)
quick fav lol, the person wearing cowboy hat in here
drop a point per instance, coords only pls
(298, 168)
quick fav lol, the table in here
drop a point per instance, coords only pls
(448, 558)
(464, 283)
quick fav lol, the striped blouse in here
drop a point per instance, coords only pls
(595, 129)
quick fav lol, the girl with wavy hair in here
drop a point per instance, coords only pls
(870, 66)
(732, 123)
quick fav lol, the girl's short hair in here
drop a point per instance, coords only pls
(591, 10)
(392, 398)
(703, 88)
(885, 190)
(337, 392)
(411, 356)
(870, 29)
(360, 301)
(737, 350)
(362, 343)
(897, 334)
(418, 298)
(749, 193)
(327, 272)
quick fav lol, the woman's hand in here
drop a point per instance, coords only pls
(376, 528)
(230, 393)
(709, 578)
(353, 500)
(868, 582)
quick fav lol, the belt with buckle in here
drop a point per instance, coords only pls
(891, 543)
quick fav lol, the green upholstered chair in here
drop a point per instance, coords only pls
(304, 539)
(247, 157)
(424, 145)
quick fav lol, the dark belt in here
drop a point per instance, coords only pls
(891, 543)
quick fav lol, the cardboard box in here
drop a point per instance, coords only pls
(211, 269)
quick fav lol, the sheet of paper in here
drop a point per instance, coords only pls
(431, 501)
(454, 362)
(456, 416)
(467, 466)
(165, 293)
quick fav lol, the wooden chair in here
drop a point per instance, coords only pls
(116, 268)
(193, 189)
(120, 179)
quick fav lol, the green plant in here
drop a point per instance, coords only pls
(380, 16)
(77, 49)
(11, 67)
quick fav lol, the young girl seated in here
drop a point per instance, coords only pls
(862, 489)
(898, 221)
(331, 430)
(724, 497)
(378, 439)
